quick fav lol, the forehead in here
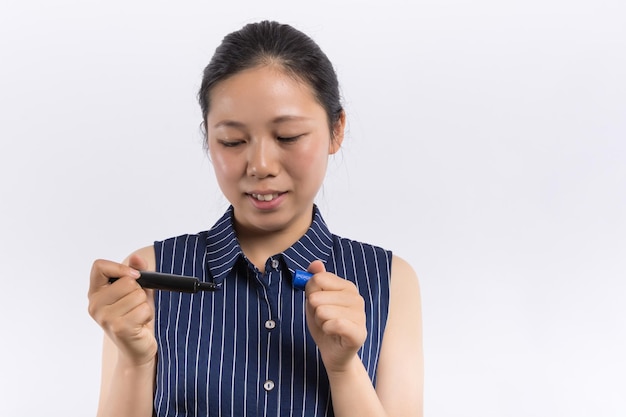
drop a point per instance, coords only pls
(262, 93)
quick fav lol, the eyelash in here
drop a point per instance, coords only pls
(232, 144)
(288, 139)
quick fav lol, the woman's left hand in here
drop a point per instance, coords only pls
(335, 315)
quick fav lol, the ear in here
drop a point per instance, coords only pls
(338, 134)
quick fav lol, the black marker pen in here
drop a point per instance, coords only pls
(170, 282)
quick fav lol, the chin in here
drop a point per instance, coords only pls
(272, 221)
(269, 222)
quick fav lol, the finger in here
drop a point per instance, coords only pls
(316, 267)
(326, 281)
(129, 302)
(102, 270)
(112, 293)
(352, 334)
(114, 302)
(338, 298)
(129, 324)
(141, 264)
(327, 312)
(137, 262)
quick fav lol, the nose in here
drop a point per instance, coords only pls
(263, 159)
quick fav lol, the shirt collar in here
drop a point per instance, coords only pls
(316, 244)
(222, 247)
(223, 250)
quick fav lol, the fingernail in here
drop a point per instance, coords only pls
(134, 273)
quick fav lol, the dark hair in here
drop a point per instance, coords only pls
(266, 43)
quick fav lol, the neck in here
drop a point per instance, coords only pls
(259, 245)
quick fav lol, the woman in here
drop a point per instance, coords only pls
(348, 345)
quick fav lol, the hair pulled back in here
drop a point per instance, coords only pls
(273, 43)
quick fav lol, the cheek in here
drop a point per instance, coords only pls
(310, 163)
(225, 168)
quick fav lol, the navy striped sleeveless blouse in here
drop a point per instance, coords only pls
(245, 350)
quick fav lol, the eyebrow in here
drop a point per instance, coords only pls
(229, 123)
(289, 118)
(277, 120)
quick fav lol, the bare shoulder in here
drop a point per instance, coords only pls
(405, 295)
(402, 273)
(400, 369)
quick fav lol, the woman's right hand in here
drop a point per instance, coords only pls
(124, 310)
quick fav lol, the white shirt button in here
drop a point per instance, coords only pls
(268, 385)
(275, 263)
(270, 324)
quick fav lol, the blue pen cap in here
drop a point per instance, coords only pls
(300, 279)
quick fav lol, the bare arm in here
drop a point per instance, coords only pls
(400, 373)
(125, 311)
(338, 330)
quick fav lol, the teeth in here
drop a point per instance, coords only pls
(265, 197)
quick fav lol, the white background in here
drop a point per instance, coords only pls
(493, 131)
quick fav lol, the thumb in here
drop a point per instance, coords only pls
(316, 267)
(137, 262)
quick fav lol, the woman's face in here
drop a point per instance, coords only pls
(269, 142)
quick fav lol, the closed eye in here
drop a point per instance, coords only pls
(287, 139)
(230, 143)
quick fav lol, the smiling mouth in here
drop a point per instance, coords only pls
(264, 197)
